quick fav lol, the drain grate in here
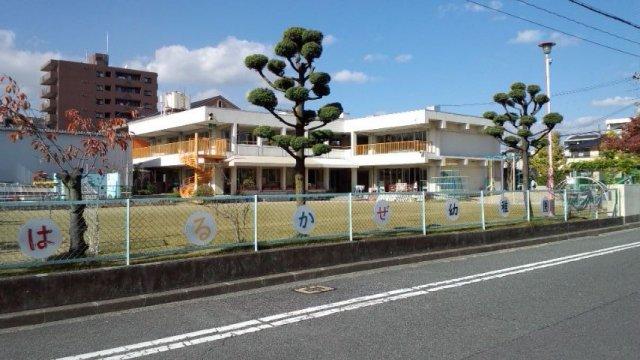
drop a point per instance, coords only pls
(313, 289)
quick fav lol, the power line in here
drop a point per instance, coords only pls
(602, 118)
(556, 30)
(592, 87)
(578, 22)
(562, 93)
(604, 13)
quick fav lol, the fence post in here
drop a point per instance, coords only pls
(528, 206)
(255, 222)
(424, 215)
(565, 206)
(484, 226)
(350, 217)
(127, 241)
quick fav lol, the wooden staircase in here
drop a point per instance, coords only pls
(210, 153)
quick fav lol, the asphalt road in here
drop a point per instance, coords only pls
(576, 299)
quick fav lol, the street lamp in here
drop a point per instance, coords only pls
(546, 49)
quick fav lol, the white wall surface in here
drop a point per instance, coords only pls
(453, 143)
(19, 161)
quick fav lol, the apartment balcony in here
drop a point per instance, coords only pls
(49, 66)
(214, 148)
(48, 106)
(396, 147)
(48, 92)
(49, 78)
(276, 151)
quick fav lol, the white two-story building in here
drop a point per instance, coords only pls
(413, 150)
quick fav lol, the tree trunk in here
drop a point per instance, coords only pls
(525, 178)
(299, 177)
(77, 222)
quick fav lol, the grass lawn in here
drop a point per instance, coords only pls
(157, 227)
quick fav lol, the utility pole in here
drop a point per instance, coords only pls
(546, 49)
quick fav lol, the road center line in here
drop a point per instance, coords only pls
(246, 327)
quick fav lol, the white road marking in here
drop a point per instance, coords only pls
(246, 327)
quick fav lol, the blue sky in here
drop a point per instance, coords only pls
(389, 56)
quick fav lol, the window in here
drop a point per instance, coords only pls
(100, 74)
(99, 87)
(315, 178)
(108, 73)
(246, 179)
(124, 115)
(107, 101)
(146, 80)
(99, 115)
(107, 115)
(147, 106)
(409, 176)
(99, 101)
(219, 103)
(409, 136)
(127, 89)
(270, 179)
(107, 87)
(126, 102)
(127, 76)
(247, 138)
(147, 93)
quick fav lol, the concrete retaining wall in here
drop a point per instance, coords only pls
(629, 199)
(31, 292)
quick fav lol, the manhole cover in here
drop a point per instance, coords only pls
(313, 289)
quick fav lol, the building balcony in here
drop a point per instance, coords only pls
(205, 148)
(48, 92)
(49, 78)
(244, 149)
(48, 106)
(395, 147)
(49, 65)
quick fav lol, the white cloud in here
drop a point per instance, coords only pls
(23, 65)
(329, 40)
(615, 101)
(374, 57)
(563, 40)
(222, 64)
(585, 123)
(527, 36)
(535, 36)
(205, 94)
(350, 76)
(477, 8)
(403, 58)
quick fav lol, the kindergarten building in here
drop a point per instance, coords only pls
(419, 150)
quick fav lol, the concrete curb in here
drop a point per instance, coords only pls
(38, 316)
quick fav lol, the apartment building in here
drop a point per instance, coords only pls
(415, 150)
(97, 90)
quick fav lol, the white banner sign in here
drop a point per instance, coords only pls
(200, 228)
(304, 220)
(381, 213)
(39, 238)
(452, 209)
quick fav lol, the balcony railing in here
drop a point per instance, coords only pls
(48, 92)
(48, 106)
(48, 78)
(213, 147)
(395, 147)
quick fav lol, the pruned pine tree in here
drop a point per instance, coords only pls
(515, 127)
(299, 48)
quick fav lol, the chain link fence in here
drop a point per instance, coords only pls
(35, 234)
